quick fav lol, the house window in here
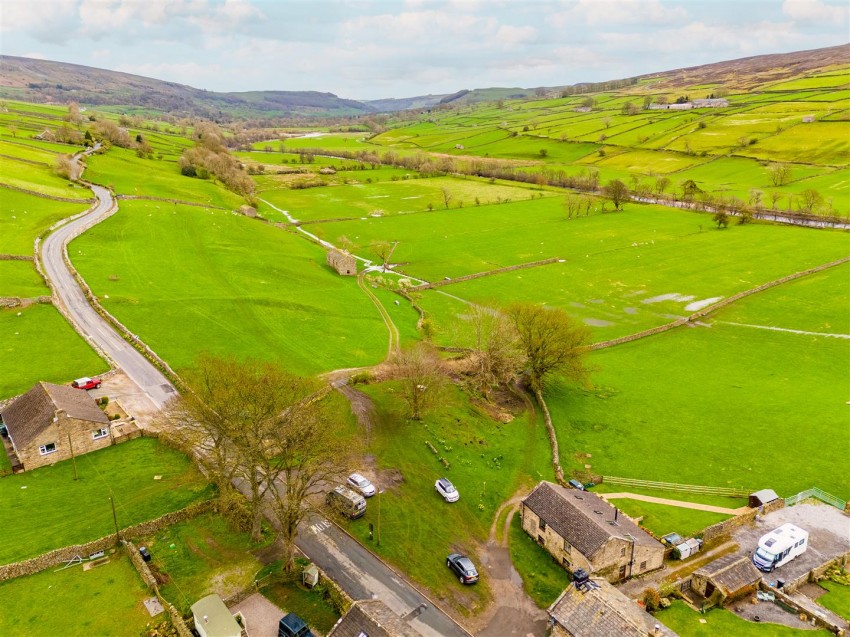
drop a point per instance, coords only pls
(643, 566)
(623, 552)
(567, 547)
(542, 525)
(540, 540)
(565, 562)
(50, 447)
(97, 434)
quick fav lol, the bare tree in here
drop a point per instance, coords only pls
(780, 174)
(383, 250)
(810, 200)
(420, 372)
(661, 184)
(775, 196)
(497, 358)
(552, 341)
(447, 196)
(63, 166)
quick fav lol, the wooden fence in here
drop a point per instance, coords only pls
(731, 492)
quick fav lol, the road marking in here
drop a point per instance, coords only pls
(320, 526)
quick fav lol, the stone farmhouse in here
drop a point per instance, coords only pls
(733, 576)
(601, 609)
(581, 530)
(50, 422)
(371, 618)
(342, 262)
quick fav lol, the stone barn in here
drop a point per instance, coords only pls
(734, 576)
(581, 530)
(342, 262)
(50, 422)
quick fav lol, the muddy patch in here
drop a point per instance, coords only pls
(594, 322)
(630, 310)
(673, 296)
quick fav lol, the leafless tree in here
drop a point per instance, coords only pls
(419, 370)
(447, 196)
(496, 358)
(780, 174)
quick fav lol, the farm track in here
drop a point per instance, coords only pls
(674, 503)
(394, 337)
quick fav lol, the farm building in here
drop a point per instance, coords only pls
(581, 530)
(715, 102)
(342, 262)
(732, 575)
(371, 618)
(50, 422)
(212, 619)
(601, 609)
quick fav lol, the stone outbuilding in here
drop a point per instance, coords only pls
(50, 422)
(600, 609)
(581, 530)
(342, 262)
(371, 618)
(734, 576)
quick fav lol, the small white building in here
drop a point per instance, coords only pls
(212, 619)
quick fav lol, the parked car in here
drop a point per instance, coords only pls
(293, 626)
(347, 502)
(86, 383)
(447, 490)
(361, 484)
(463, 568)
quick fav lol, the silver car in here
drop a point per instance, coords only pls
(361, 484)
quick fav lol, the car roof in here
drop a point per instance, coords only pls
(84, 379)
(293, 622)
(356, 476)
(445, 482)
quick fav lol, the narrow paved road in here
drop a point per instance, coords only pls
(90, 324)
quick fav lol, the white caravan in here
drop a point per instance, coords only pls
(780, 546)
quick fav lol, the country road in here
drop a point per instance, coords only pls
(359, 572)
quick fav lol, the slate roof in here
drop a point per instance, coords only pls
(372, 618)
(603, 612)
(33, 412)
(583, 518)
(730, 573)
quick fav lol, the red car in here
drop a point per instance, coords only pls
(86, 383)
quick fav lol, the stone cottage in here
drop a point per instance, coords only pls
(342, 262)
(734, 576)
(581, 530)
(49, 422)
(600, 609)
(371, 618)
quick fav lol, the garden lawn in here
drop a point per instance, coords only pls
(202, 556)
(188, 279)
(49, 509)
(542, 577)
(662, 519)
(28, 356)
(489, 462)
(837, 599)
(701, 405)
(688, 623)
(104, 600)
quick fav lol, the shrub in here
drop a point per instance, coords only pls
(651, 599)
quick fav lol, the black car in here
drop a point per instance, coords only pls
(463, 568)
(293, 626)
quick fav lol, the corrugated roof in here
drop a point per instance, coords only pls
(604, 612)
(372, 618)
(583, 518)
(33, 412)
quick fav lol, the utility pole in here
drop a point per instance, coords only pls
(379, 517)
(73, 457)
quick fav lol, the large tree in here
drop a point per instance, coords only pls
(419, 370)
(617, 192)
(496, 358)
(553, 343)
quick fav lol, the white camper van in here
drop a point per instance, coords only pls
(780, 546)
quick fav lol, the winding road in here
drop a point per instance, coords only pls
(358, 571)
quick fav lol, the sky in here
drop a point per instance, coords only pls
(362, 49)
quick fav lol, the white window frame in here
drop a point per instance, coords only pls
(97, 434)
(45, 452)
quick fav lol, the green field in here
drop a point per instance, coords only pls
(19, 278)
(689, 623)
(188, 279)
(49, 509)
(662, 519)
(104, 600)
(23, 217)
(837, 599)
(29, 357)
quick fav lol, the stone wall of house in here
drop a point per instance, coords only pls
(553, 543)
(81, 433)
(342, 262)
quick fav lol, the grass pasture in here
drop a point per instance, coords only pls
(39, 179)
(104, 600)
(662, 519)
(243, 288)
(19, 278)
(49, 509)
(23, 217)
(837, 599)
(29, 357)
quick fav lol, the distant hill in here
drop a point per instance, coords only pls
(45, 81)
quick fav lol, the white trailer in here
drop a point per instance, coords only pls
(780, 546)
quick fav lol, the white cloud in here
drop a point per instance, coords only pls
(608, 12)
(45, 21)
(815, 11)
(511, 36)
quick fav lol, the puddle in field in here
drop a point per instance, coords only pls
(597, 322)
(673, 296)
(630, 310)
(698, 305)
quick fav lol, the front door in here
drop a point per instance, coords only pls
(623, 572)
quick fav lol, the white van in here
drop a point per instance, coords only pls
(780, 546)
